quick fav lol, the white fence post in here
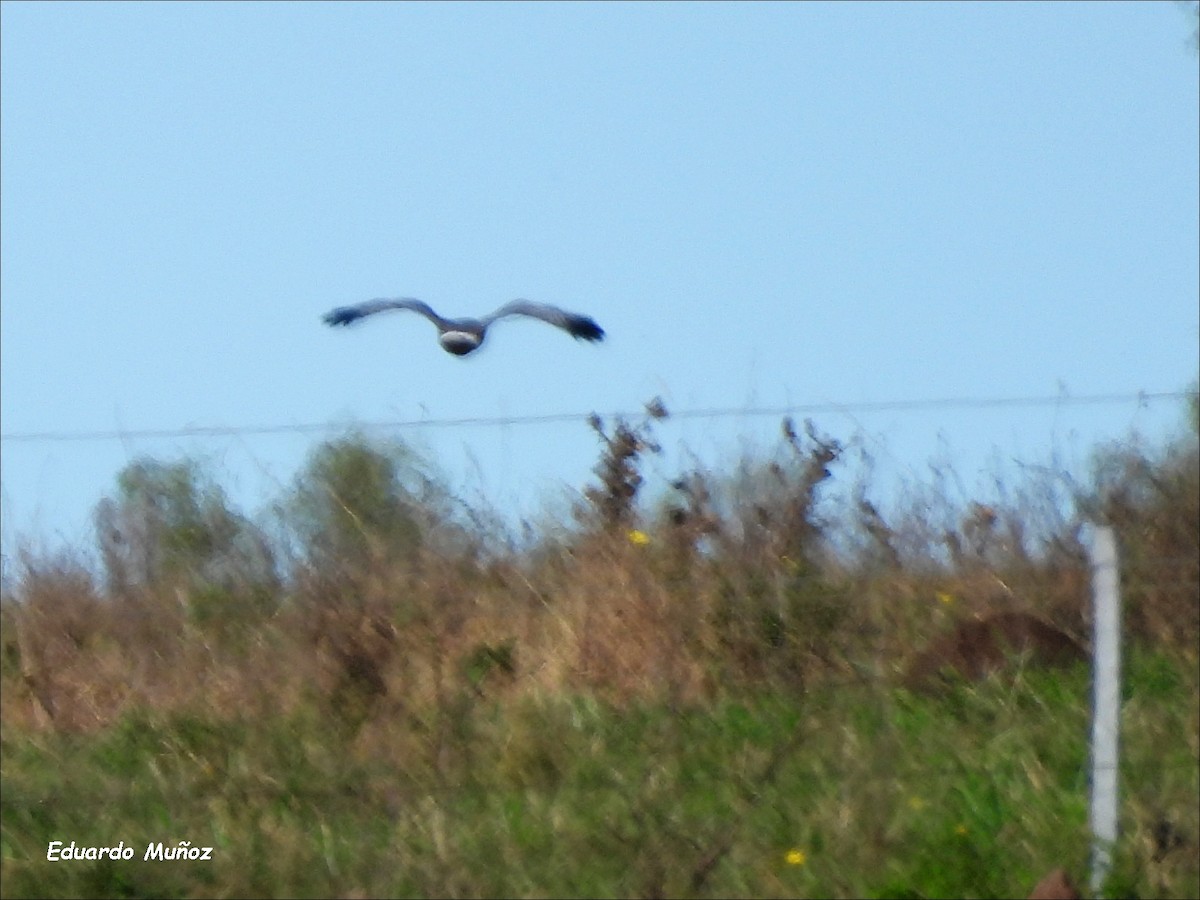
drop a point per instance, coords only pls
(1106, 700)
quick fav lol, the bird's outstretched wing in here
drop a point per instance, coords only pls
(344, 315)
(574, 324)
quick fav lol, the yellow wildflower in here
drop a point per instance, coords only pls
(795, 858)
(960, 829)
(638, 538)
(945, 598)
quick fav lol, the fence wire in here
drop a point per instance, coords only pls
(808, 409)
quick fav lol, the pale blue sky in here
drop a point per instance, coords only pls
(763, 204)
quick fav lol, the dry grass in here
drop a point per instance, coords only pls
(411, 651)
(698, 604)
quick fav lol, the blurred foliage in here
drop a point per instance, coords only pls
(379, 698)
(169, 524)
(358, 501)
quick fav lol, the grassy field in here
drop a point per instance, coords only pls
(650, 704)
(976, 792)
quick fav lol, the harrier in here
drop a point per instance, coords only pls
(462, 336)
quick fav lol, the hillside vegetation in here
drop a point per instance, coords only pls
(734, 689)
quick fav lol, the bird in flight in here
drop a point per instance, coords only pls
(463, 336)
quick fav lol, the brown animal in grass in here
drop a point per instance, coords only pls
(979, 647)
(1057, 885)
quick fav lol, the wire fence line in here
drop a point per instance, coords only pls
(920, 405)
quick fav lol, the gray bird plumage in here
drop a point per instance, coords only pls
(462, 336)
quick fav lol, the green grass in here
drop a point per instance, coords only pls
(976, 793)
(388, 700)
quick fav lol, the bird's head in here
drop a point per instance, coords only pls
(460, 343)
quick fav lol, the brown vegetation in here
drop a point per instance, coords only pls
(1057, 885)
(980, 647)
(380, 599)
(408, 635)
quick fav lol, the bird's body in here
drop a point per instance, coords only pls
(463, 336)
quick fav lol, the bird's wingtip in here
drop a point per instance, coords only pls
(343, 315)
(586, 329)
